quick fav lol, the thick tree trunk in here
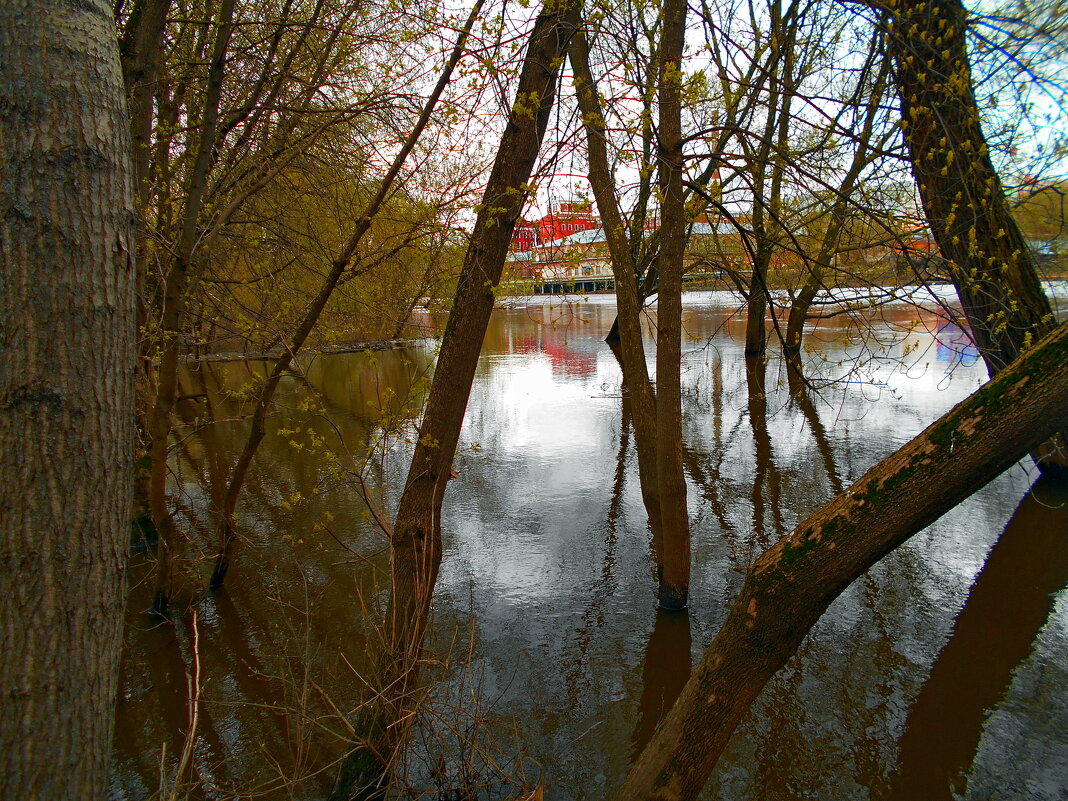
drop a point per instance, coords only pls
(991, 265)
(66, 393)
(794, 582)
(674, 515)
(416, 535)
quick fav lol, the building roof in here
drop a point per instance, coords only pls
(597, 234)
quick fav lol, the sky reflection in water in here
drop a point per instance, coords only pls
(546, 545)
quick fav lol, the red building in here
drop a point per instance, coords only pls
(525, 236)
(567, 218)
(563, 219)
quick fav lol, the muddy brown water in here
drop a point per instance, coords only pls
(940, 674)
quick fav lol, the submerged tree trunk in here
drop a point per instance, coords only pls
(140, 49)
(768, 164)
(180, 278)
(862, 157)
(417, 530)
(416, 534)
(66, 393)
(674, 515)
(794, 582)
(627, 326)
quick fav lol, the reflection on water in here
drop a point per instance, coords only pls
(665, 671)
(547, 561)
(1008, 605)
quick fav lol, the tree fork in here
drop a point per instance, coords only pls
(790, 586)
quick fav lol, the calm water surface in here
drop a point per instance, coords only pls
(941, 674)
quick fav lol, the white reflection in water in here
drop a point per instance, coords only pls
(546, 545)
(529, 547)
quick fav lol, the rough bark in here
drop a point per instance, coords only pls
(66, 393)
(793, 583)
(675, 580)
(990, 264)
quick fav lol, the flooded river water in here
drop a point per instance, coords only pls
(942, 673)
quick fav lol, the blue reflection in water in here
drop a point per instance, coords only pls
(955, 345)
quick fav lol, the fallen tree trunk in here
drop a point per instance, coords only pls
(792, 584)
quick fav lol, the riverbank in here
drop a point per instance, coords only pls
(318, 350)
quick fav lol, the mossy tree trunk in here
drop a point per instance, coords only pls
(990, 263)
(790, 586)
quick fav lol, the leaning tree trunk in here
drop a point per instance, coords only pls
(674, 515)
(416, 534)
(990, 263)
(417, 530)
(627, 327)
(794, 582)
(66, 393)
